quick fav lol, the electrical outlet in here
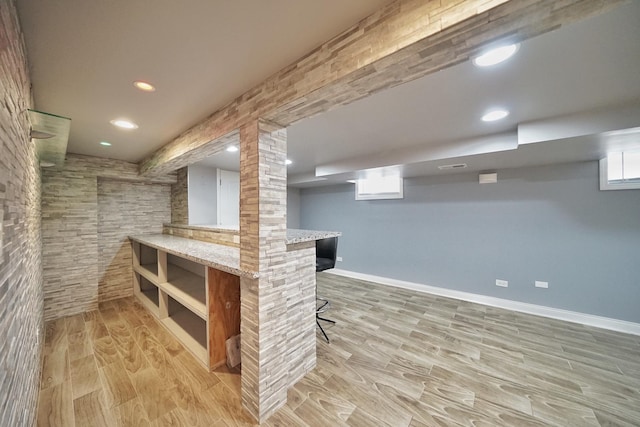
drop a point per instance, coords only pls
(339, 259)
(542, 284)
(502, 283)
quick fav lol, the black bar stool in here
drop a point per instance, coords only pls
(326, 251)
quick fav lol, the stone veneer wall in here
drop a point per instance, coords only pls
(180, 197)
(20, 243)
(301, 308)
(272, 303)
(125, 208)
(71, 245)
(221, 237)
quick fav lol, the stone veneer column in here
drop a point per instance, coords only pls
(180, 197)
(263, 224)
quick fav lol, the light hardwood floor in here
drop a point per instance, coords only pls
(397, 358)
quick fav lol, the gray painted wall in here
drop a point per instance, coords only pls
(203, 202)
(293, 207)
(546, 223)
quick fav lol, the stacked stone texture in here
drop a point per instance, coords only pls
(82, 266)
(21, 321)
(276, 308)
(221, 237)
(125, 208)
(180, 198)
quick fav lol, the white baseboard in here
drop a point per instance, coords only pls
(539, 310)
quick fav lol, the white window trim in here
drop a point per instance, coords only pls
(606, 185)
(380, 196)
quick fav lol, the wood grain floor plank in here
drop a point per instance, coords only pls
(130, 353)
(117, 384)
(90, 410)
(55, 406)
(55, 335)
(226, 405)
(96, 329)
(165, 338)
(84, 376)
(229, 377)
(366, 398)
(130, 413)
(79, 345)
(194, 372)
(192, 406)
(285, 417)
(362, 418)
(153, 392)
(162, 363)
(612, 419)
(105, 351)
(396, 357)
(55, 367)
(173, 418)
(325, 412)
(75, 324)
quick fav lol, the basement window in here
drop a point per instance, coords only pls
(620, 171)
(379, 188)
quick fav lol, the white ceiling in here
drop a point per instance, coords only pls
(594, 64)
(200, 54)
(85, 55)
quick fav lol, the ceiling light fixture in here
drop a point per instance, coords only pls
(124, 124)
(44, 164)
(287, 162)
(496, 55)
(232, 148)
(105, 143)
(494, 115)
(144, 86)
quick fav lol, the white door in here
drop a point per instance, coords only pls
(228, 198)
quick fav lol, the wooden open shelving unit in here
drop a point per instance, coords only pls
(199, 305)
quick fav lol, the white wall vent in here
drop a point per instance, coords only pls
(450, 167)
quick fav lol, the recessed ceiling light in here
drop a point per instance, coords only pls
(494, 115)
(232, 148)
(105, 143)
(495, 56)
(144, 86)
(288, 162)
(124, 124)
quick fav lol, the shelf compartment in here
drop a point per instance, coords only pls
(145, 261)
(187, 288)
(190, 329)
(149, 271)
(147, 293)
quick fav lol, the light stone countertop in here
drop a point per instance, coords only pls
(298, 236)
(225, 258)
(294, 235)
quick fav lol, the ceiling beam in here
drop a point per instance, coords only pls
(403, 41)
